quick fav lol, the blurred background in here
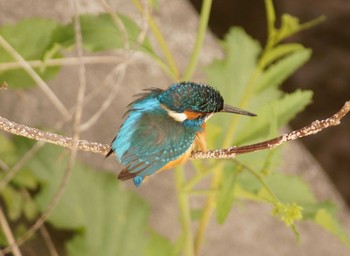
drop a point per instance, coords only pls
(327, 74)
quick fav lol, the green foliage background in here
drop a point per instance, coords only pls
(98, 209)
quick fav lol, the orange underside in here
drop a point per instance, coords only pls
(198, 144)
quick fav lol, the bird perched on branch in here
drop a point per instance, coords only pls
(163, 128)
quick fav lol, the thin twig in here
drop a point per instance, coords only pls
(8, 234)
(77, 119)
(49, 243)
(313, 128)
(31, 72)
(19, 164)
(144, 24)
(118, 22)
(120, 74)
(95, 147)
(67, 61)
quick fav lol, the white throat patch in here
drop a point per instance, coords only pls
(179, 117)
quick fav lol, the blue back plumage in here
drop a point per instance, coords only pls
(145, 103)
(161, 125)
(149, 138)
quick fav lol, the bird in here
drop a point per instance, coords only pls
(163, 127)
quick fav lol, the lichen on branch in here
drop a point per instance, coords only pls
(231, 152)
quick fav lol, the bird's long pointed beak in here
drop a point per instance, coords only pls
(230, 109)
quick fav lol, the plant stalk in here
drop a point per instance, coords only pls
(202, 28)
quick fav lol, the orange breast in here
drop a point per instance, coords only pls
(198, 144)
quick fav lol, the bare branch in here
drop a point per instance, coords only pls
(66, 61)
(313, 128)
(31, 72)
(8, 234)
(49, 243)
(84, 145)
(77, 119)
(53, 138)
(118, 22)
(118, 75)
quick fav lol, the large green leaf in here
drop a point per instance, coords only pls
(17, 202)
(43, 39)
(227, 196)
(31, 38)
(259, 89)
(159, 246)
(279, 52)
(110, 220)
(100, 33)
(282, 69)
(292, 189)
(280, 111)
(231, 75)
(283, 110)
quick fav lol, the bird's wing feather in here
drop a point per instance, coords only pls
(156, 140)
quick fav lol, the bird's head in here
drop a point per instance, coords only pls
(192, 101)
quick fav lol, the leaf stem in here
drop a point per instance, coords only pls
(202, 28)
(208, 208)
(263, 183)
(185, 212)
(161, 41)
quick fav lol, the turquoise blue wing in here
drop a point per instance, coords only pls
(154, 140)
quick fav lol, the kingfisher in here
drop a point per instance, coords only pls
(163, 127)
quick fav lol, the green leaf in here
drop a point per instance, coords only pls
(279, 52)
(100, 33)
(108, 219)
(196, 214)
(159, 245)
(17, 202)
(298, 191)
(43, 39)
(292, 189)
(25, 179)
(231, 74)
(226, 195)
(329, 222)
(30, 208)
(282, 69)
(284, 110)
(291, 25)
(31, 38)
(13, 200)
(7, 151)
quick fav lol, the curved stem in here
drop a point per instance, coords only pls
(262, 182)
(185, 212)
